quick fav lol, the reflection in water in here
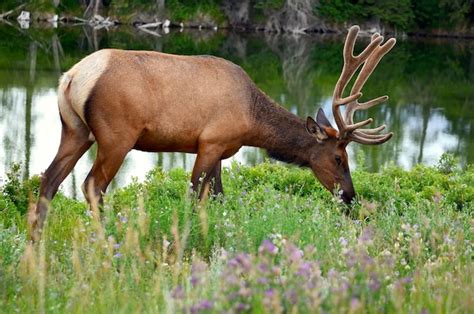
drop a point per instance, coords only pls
(430, 84)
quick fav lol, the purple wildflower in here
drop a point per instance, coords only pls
(231, 279)
(366, 237)
(291, 296)
(294, 253)
(343, 241)
(243, 260)
(263, 268)
(267, 247)
(268, 297)
(178, 293)
(355, 304)
(197, 270)
(304, 270)
(374, 282)
(241, 307)
(201, 306)
(406, 280)
(351, 258)
(269, 293)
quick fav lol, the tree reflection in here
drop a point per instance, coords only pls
(430, 85)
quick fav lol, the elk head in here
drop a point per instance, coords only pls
(329, 160)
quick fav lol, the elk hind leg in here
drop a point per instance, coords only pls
(74, 143)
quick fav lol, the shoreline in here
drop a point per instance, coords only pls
(148, 26)
(151, 23)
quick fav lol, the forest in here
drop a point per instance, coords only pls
(438, 17)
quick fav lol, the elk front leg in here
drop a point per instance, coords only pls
(207, 160)
(108, 162)
(216, 181)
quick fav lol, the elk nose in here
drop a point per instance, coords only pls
(348, 196)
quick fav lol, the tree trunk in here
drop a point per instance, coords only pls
(93, 8)
(29, 98)
(237, 12)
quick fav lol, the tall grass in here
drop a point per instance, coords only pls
(277, 242)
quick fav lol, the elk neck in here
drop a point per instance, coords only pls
(281, 133)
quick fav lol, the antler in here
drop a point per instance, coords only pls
(370, 57)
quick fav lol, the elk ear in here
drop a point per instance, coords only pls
(322, 120)
(314, 129)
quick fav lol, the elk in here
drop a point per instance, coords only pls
(158, 102)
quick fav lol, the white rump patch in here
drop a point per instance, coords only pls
(82, 78)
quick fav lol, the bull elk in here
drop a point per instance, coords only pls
(158, 102)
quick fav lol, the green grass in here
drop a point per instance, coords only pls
(277, 242)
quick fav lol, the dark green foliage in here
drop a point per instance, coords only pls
(17, 194)
(403, 15)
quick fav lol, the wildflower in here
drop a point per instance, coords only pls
(197, 270)
(263, 268)
(243, 260)
(269, 293)
(374, 283)
(201, 306)
(241, 307)
(351, 258)
(245, 291)
(304, 270)
(231, 279)
(355, 305)
(267, 246)
(343, 241)
(448, 240)
(117, 255)
(294, 254)
(366, 237)
(178, 293)
(291, 296)
(405, 280)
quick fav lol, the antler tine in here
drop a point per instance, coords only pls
(371, 141)
(374, 130)
(351, 64)
(368, 136)
(370, 58)
(369, 66)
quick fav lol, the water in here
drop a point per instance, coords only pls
(430, 82)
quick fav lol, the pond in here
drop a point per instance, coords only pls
(430, 84)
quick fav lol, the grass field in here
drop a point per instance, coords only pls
(277, 242)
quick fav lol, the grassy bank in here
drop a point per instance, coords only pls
(277, 242)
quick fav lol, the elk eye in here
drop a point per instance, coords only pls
(338, 160)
